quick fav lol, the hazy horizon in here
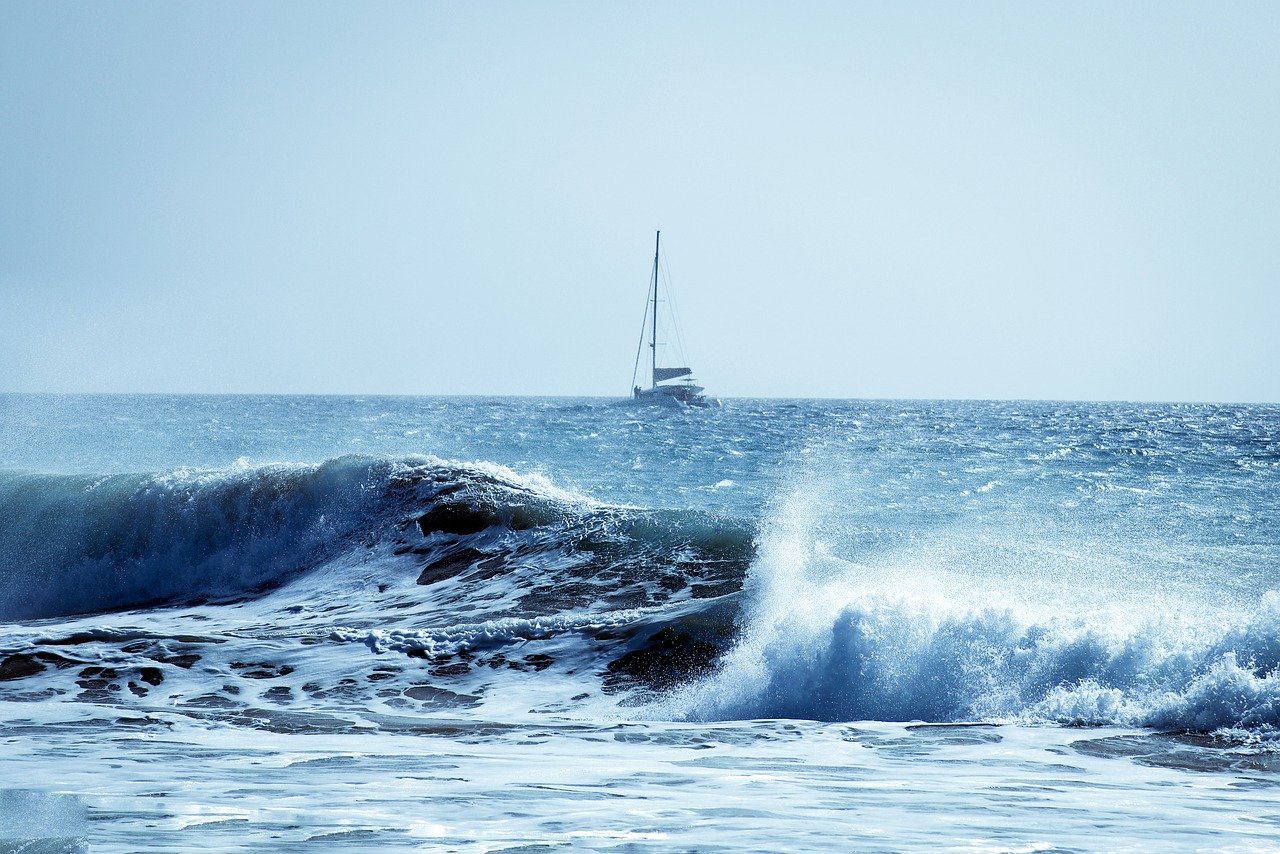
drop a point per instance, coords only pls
(622, 398)
(992, 202)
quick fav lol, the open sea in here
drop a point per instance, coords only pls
(277, 623)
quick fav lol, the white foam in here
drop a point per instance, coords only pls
(492, 633)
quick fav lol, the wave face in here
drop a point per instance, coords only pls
(76, 544)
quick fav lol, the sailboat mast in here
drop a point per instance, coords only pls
(653, 340)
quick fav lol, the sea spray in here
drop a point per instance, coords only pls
(830, 640)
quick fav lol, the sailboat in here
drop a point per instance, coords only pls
(685, 390)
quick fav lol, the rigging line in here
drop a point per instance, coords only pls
(644, 324)
(675, 317)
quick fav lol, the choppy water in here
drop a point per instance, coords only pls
(478, 624)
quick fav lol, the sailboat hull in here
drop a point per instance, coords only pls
(688, 395)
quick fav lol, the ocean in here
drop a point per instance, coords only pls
(275, 623)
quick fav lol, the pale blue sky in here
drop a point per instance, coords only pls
(990, 200)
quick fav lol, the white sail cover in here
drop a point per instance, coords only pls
(660, 374)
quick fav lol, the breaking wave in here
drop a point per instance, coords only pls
(82, 545)
(847, 648)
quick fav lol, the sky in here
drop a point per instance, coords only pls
(857, 200)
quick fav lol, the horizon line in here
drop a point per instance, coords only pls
(621, 397)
